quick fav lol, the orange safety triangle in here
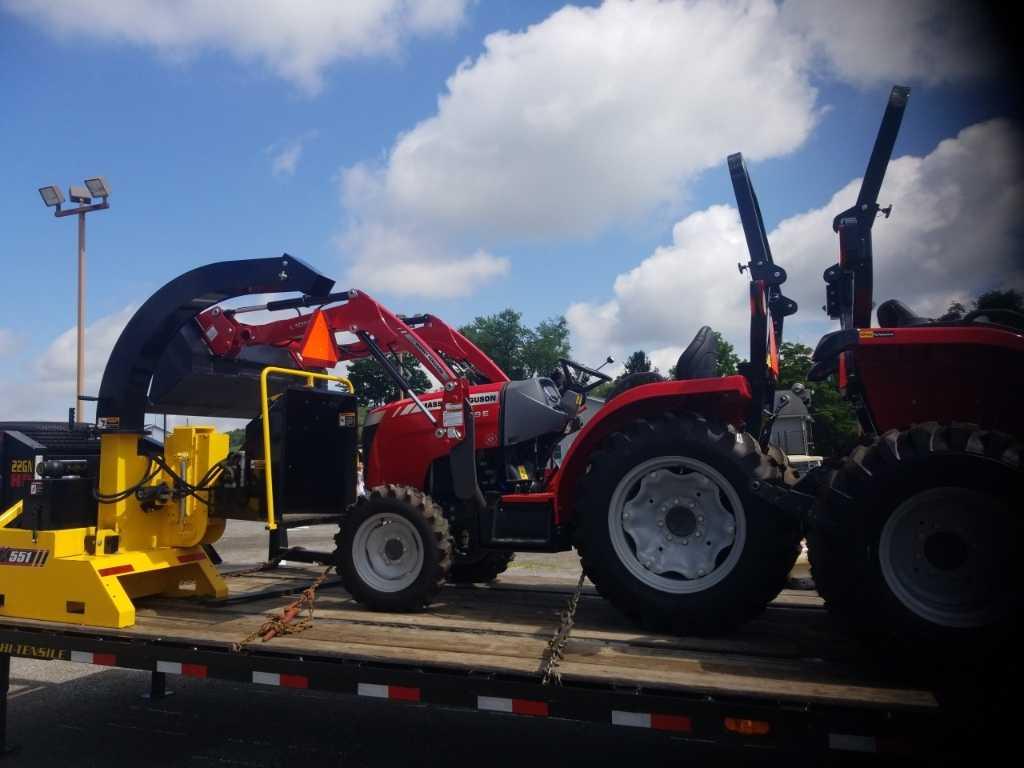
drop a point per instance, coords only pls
(318, 348)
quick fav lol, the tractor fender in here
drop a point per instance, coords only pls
(726, 398)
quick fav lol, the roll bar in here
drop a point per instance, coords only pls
(848, 284)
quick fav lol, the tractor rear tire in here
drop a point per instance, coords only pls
(707, 554)
(393, 550)
(914, 539)
(631, 380)
(482, 569)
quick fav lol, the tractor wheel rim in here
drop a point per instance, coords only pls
(677, 524)
(944, 555)
(387, 552)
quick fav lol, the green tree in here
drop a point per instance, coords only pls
(728, 360)
(516, 348)
(835, 427)
(375, 387)
(638, 362)
(544, 345)
(997, 298)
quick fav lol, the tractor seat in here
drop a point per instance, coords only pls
(895, 314)
(700, 359)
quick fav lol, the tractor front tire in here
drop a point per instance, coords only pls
(393, 549)
(481, 569)
(671, 532)
(914, 543)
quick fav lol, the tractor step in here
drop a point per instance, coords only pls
(302, 520)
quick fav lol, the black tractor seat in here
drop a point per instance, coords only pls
(895, 314)
(700, 359)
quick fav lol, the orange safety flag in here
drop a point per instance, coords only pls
(318, 349)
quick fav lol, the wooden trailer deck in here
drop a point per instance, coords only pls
(788, 655)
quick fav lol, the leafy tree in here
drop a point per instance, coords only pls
(544, 345)
(375, 387)
(638, 362)
(835, 427)
(517, 349)
(995, 299)
(728, 360)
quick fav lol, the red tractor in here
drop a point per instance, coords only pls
(666, 491)
(913, 537)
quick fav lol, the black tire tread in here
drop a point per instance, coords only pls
(486, 569)
(417, 503)
(838, 535)
(775, 555)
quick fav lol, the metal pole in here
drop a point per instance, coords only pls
(80, 371)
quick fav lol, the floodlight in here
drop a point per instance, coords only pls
(79, 195)
(98, 187)
(51, 196)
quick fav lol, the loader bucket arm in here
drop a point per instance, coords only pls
(124, 389)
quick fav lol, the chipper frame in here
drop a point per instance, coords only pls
(81, 541)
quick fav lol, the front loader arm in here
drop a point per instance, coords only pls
(378, 331)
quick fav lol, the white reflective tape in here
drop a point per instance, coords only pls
(372, 689)
(81, 657)
(850, 742)
(171, 667)
(632, 719)
(493, 704)
(266, 678)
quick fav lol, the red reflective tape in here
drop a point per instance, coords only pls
(191, 558)
(114, 570)
(104, 659)
(679, 723)
(193, 670)
(402, 693)
(527, 707)
(294, 681)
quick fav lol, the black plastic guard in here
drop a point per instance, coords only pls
(463, 460)
(124, 391)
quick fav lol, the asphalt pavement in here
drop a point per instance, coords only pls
(65, 714)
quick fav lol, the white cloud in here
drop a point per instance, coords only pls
(594, 116)
(46, 388)
(955, 232)
(297, 40)
(878, 41)
(9, 342)
(591, 118)
(285, 156)
(401, 263)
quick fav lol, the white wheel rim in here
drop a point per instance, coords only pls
(387, 552)
(943, 554)
(671, 518)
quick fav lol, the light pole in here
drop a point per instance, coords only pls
(54, 198)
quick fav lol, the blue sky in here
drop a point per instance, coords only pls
(326, 139)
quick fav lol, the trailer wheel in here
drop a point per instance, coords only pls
(393, 549)
(671, 532)
(914, 539)
(485, 567)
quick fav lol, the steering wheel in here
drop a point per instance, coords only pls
(571, 370)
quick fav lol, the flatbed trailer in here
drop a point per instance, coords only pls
(787, 682)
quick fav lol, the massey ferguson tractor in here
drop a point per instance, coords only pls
(914, 538)
(666, 491)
